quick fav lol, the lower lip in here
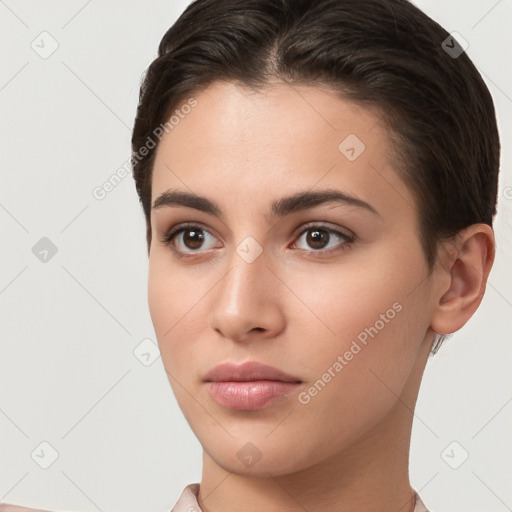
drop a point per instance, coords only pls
(250, 395)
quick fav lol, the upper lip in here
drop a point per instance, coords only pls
(251, 370)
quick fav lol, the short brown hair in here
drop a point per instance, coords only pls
(386, 54)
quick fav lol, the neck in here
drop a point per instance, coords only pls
(372, 475)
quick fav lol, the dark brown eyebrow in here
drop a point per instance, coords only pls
(279, 208)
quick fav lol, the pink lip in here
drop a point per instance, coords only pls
(249, 386)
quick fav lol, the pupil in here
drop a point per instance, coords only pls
(318, 238)
(192, 243)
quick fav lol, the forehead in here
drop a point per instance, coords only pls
(248, 143)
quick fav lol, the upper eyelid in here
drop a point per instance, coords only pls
(327, 227)
(179, 228)
(308, 225)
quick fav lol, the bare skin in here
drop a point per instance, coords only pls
(347, 447)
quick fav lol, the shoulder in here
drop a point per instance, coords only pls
(419, 507)
(7, 507)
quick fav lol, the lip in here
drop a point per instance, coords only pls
(249, 386)
(249, 371)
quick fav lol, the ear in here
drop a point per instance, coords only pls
(464, 265)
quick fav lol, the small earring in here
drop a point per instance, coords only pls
(438, 341)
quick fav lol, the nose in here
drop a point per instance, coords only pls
(247, 302)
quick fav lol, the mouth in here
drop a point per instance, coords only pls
(249, 386)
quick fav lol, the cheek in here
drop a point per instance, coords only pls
(161, 299)
(359, 336)
(179, 300)
(338, 304)
(172, 294)
(173, 304)
(176, 308)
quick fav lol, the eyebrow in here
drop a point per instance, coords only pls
(280, 208)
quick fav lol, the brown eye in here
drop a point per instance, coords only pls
(318, 238)
(188, 239)
(192, 238)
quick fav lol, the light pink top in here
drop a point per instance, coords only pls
(188, 501)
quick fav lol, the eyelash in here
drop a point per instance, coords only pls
(176, 230)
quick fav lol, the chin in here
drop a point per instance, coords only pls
(259, 456)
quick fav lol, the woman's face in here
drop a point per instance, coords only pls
(335, 294)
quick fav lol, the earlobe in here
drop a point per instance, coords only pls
(468, 271)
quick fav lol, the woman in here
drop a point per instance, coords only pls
(318, 179)
(319, 211)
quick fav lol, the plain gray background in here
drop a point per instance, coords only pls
(72, 325)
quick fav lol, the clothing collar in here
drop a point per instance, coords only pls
(188, 501)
